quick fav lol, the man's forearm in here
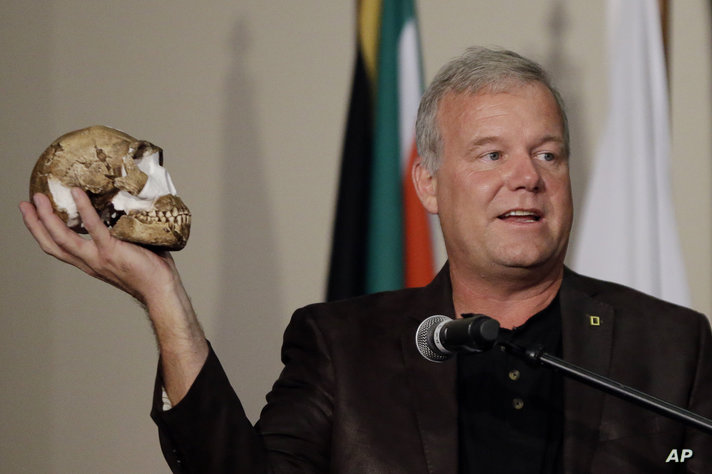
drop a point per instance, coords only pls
(181, 340)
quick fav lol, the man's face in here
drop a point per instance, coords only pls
(502, 191)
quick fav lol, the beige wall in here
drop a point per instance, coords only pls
(248, 99)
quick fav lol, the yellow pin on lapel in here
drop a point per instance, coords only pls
(594, 320)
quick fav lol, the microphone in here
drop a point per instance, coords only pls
(439, 337)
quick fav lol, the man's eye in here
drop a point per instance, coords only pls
(493, 156)
(546, 156)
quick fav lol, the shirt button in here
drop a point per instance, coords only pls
(514, 375)
(518, 403)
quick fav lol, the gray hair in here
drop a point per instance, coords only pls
(475, 70)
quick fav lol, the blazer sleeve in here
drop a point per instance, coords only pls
(208, 430)
(699, 442)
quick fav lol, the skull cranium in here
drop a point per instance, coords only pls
(125, 180)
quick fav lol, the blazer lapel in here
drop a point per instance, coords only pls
(433, 385)
(587, 333)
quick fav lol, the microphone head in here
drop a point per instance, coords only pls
(424, 339)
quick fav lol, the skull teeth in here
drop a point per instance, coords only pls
(174, 216)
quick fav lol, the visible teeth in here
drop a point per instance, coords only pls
(533, 216)
(173, 217)
(519, 213)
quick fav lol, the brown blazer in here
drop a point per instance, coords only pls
(355, 396)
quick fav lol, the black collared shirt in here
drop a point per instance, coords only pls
(510, 411)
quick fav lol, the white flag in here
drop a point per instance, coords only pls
(627, 230)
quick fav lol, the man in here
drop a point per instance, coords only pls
(356, 396)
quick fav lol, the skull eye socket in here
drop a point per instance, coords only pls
(145, 149)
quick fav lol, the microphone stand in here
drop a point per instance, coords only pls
(608, 385)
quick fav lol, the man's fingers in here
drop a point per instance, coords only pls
(91, 220)
(36, 228)
(44, 225)
(60, 234)
(102, 256)
(43, 237)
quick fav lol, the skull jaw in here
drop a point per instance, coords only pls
(161, 235)
(167, 227)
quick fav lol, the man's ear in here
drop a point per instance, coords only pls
(425, 184)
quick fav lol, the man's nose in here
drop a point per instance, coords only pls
(522, 173)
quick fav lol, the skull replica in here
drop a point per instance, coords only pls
(125, 180)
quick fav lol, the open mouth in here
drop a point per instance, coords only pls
(520, 216)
